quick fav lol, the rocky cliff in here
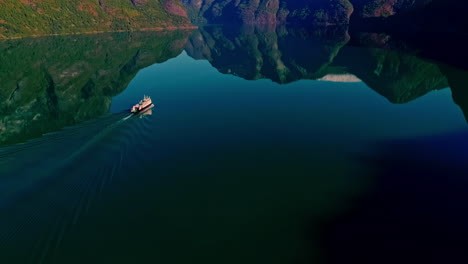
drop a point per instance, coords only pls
(414, 15)
(20, 18)
(324, 12)
(386, 8)
(38, 17)
(433, 16)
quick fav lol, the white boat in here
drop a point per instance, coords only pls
(143, 105)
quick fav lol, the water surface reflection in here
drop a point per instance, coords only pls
(277, 146)
(52, 82)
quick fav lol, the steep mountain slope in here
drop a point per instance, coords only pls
(20, 18)
(40, 17)
(269, 11)
(296, 11)
(435, 16)
(416, 15)
(386, 8)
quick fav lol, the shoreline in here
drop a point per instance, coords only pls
(156, 29)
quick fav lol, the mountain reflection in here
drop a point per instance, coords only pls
(286, 55)
(52, 82)
(282, 55)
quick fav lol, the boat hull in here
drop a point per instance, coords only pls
(143, 109)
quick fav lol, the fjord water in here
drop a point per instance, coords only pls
(283, 146)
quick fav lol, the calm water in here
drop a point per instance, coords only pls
(286, 146)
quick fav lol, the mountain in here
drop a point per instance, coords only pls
(323, 12)
(19, 18)
(436, 16)
(386, 8)
(403, 15)
(52, 82)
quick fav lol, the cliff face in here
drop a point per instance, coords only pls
(38, 17)
(52, 82)
(41, 17)
(310, 12)
(386, 8)
(323, 12)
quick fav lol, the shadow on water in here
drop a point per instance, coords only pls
(416, 212)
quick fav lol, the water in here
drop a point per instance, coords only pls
(247, 156)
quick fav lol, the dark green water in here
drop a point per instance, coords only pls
(286, 146)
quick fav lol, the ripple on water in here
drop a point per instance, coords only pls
(53, 181)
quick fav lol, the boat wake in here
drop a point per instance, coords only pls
(24, 166)
(53, 181)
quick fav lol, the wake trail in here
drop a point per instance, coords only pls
(14, 186)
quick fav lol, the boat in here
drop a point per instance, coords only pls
(143, 105)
